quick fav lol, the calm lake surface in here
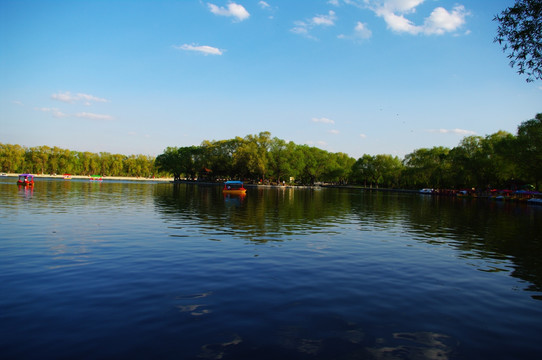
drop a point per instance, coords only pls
(148, 270)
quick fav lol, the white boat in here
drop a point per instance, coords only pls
(426, 191)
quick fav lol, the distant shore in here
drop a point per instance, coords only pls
(87, 177)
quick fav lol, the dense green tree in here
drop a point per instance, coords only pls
(338, 168)
(251, 158)
(12, 158)
(218, 156)
(363, 171)
(498, 159)
(279, 160)
(529, 150)
(467, 159)
(170, 161)
(386, 170)
(314, 163)
(428, 167)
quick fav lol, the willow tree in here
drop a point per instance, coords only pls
(520, 34)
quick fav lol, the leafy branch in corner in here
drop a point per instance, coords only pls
(520, 35)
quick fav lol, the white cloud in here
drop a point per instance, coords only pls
(403, 6)
(234, 10)
(204, 49)
(17, 102)
(263, 4)
(440, 20)
(363, 136)
(323, 120)
(333, 2)
(92, 116)
(68, 97)
(453, 131)
(334, 132)
(399, 23)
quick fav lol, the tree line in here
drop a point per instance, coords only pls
(499, 160)
(47, 160)
(258, 158)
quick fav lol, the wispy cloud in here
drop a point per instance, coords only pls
(92, 116)
(68, 97)
(263, 4)
(361, 32)
(316, 143)
(363, 136)
(204, 49)
(323, 120)
(452, 131)
(85, 115)
(54, 111)
(334, 132)
(324, 20)
(17, 102)
(440, 20)
(231, 10)
(303, 27)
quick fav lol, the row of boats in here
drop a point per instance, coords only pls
(532, 197)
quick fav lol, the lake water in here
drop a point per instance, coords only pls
(155, 270)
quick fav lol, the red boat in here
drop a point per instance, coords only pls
(26, 180)
(234, 187)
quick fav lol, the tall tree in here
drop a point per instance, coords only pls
(520, 34)
(170, 162)
(530, 149)
(363, 170)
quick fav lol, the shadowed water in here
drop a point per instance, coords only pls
(139, 270)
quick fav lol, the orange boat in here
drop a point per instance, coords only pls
(26, 180)
(234, 187)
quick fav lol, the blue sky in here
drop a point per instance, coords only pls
(352, 76)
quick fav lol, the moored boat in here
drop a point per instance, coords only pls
(66, 177)
(234, 187)
(25, 180)
(96, 178)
